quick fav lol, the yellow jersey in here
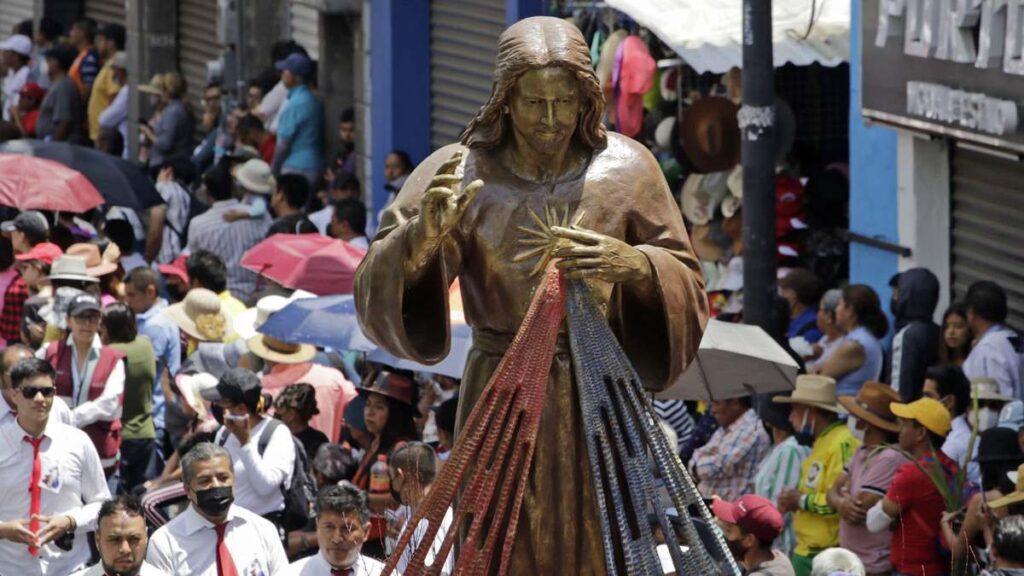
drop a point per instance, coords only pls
(815, 522)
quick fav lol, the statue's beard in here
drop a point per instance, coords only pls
(547, 144)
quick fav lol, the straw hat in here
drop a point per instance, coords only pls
(273, 350)
(1015, 496)
(96, 264)
(815, 391)
(255, 176)
(985, 388)
(872, 405)
(201, 316)
(247, 323)
(70, 267)
(191, 387)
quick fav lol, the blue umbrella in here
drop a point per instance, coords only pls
(330, 322)
(327, 322)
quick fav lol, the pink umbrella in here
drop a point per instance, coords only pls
(29, 183)
(310, 262)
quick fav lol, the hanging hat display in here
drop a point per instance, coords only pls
(711, 134)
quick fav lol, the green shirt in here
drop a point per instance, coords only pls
(140, 372)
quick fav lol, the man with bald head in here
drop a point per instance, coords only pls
(11, 355)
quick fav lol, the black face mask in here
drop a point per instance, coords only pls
(176, 294)
(215, 501)
(395, 495)
(736, 549)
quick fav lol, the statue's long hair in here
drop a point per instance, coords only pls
(538, 43)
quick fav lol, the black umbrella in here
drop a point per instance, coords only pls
(120, 182)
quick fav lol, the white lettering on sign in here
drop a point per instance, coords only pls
(946, 30)
(969, 110)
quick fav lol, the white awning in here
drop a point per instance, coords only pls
(708, 34)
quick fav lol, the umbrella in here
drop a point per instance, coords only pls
(311, 262)
(327, 322)
(734, 360)
(38, 184)
(121, 182)
(330, 322)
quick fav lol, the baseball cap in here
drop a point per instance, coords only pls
(927, 412)
(19, 44)
(83, 302)
(45, 252)
(33, 91)
(120, 59)
(237, 385)
(31, 222)
(175, 268)
(1012, 415)
(297, 64)
(753, 514)
(636, 76)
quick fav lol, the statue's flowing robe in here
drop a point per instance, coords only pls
(621, 193)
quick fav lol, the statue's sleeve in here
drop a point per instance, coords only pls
(407, 318)
(660, 331)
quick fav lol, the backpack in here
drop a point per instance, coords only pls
(300, 494)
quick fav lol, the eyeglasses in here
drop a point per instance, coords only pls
(29, 392)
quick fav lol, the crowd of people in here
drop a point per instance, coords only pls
(159, 432)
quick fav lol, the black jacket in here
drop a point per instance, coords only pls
(915, 344)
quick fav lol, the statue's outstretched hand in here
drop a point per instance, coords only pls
(586, 254)
(441, 210)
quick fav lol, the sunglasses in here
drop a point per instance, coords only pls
(29, 392)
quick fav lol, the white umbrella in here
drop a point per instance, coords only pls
(734, 360)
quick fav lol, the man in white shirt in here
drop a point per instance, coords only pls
(12, 354)
(342, 524)
(260, 447)
(15, 53)
(121, 539)
(52, 479)
(349, 223)
(214, 537)
(997, 348)
(413, 468)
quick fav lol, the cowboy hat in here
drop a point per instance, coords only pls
(273, 350)
(701, 195)
(247, 323)
(871, 404)
(191, 387)
(815, 391)
(201, 316)
(711, 134)
(255, 176)
(97, 265)
(1014, 497)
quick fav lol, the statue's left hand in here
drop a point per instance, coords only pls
(587, 254)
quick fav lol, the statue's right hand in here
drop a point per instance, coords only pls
(444, 203)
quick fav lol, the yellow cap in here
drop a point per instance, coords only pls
(928, 412)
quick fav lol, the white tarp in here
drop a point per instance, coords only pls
(708, 34)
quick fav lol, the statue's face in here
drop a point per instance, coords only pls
(545, 108)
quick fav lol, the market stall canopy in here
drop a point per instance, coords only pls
(708, 34)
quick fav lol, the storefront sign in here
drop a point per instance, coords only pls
(953, 67)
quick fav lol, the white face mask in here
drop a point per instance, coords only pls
(851, 423)
(987, 418)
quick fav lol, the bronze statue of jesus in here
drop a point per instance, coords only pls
(537, 177)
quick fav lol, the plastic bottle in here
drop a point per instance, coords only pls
(380, 481)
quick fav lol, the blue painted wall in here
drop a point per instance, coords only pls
(400, 80)
(516, 10)
(873, 188)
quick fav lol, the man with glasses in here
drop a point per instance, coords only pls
(90, 378)
(8, 409)
(53, 481)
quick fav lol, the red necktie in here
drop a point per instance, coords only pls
(34, 490)
(225, 564)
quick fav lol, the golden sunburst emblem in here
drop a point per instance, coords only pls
(540, 241)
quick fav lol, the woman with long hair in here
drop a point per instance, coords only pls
(859, 358)
(390, 418)
(956, 335)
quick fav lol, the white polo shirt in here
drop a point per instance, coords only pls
(317, 566)
(59, 412)
(188, 545)
(97, 570)
(258, 479)
(72, 484)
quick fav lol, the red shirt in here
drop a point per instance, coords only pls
(28, 122)
(267, 149)
(916, 541)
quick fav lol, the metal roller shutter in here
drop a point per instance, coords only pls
(988, 226)
(304, 23)
(197, 44)
(463, 45)
(106, 11)
(12, 12)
